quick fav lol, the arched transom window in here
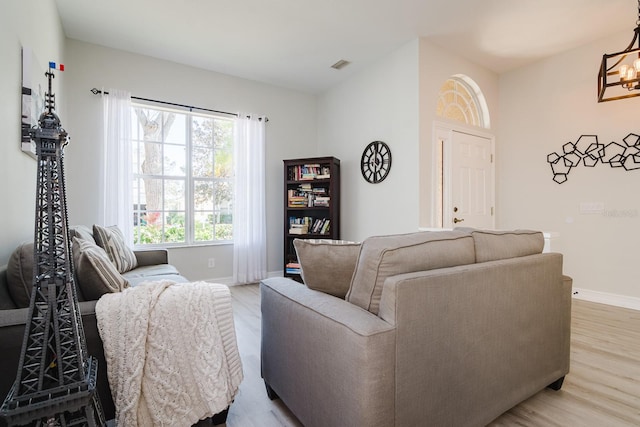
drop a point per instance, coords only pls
(461, 99)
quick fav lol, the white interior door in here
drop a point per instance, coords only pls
(468, 181)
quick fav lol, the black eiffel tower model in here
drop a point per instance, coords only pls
(56, 380)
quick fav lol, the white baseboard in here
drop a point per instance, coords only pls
(222, 280)
(607, 298)
(229, 280)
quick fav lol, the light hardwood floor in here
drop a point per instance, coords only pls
(602, 389)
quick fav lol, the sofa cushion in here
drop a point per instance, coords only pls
(6, 301)
(493, 245)
(112, 241)
(327, 265)
(384, 256)
(153, 273)
(96, 273)
(20, 275)
(81, 232)
(150, 271)
(176, 278)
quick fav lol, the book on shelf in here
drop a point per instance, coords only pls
(296, 199)
(316, 226)
(320, 226)
(292, 268)
(308, 225)
(309, 189)
(298, 205)
(298, 229)
(308, 172)
(307, 196)
(297, 221)
(321, 201)
(325, 173)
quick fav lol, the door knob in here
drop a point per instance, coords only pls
(456, 220)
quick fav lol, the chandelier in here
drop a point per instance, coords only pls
(619, 74)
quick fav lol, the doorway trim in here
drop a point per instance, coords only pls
(441, 169)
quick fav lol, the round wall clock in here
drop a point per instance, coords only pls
(375, 162)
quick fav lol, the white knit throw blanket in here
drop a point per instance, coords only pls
(171, 352)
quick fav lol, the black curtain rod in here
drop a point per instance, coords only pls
(98, 92)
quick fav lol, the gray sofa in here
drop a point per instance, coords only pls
(447, 328)
(151, 265)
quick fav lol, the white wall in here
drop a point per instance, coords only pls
(436, 66)
(380, 103)
(32, 23)
(542, 107)
(538, 107)
(291, 132)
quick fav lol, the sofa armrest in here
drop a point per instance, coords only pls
(490, 334)
(12, 325)
(152, 257)
(13, 317)
(321, 354)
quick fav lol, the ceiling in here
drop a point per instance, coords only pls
(293, 43)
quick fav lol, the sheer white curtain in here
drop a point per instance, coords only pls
(117, 203)
(249, 213)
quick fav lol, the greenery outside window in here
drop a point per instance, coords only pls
(182, 177)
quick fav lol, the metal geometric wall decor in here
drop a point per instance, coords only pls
(56, 380)
(589, 152)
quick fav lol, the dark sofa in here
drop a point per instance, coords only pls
(152, 265)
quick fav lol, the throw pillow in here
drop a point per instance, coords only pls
(384, 256)
(20, 275)
(327, 265)
(492, 245)
(111, 240)
(81, 232)
(96, 273)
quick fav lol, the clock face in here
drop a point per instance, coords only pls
(376, 162)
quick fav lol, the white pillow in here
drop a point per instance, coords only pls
(111, 240)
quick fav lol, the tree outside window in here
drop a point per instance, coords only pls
(183, 177)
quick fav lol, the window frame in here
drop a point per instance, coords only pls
(468, 99)
(188, 179)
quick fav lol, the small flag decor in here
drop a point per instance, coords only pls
(55, 66)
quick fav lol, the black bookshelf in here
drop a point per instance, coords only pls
(311, 204)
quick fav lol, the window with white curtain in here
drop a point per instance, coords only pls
(182, 177)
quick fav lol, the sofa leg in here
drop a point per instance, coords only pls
(557, 384)
(220, 417)
(272, 395)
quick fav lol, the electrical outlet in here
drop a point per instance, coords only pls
(211, 263)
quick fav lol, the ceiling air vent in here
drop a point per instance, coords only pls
(340, 64)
